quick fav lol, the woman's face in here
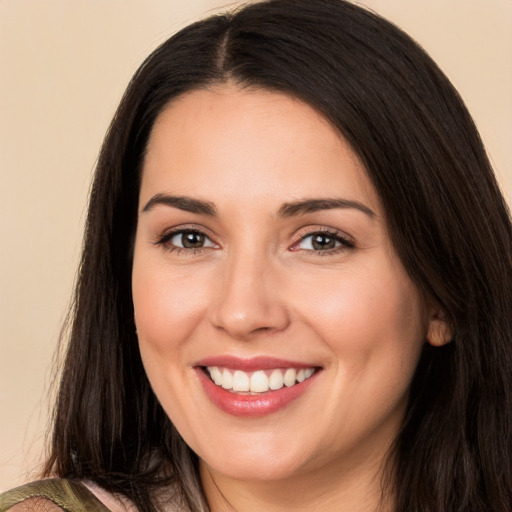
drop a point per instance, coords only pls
(262, 259)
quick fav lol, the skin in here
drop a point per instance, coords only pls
(259, 288)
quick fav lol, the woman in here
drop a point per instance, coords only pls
(295, 285)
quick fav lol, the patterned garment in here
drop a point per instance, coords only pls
(69, 495)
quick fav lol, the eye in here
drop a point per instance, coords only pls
(190, 240)
(185, 240)
(318, 242)
(322, 241)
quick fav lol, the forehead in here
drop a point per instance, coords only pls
(253, 142)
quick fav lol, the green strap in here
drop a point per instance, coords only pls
(69, 495)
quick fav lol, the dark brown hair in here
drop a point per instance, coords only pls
(446, 216)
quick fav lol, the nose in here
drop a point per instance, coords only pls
(248, 302)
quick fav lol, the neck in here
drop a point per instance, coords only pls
(333, 489)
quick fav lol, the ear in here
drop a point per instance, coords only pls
(439, 331)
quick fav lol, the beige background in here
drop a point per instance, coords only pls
(63, 67)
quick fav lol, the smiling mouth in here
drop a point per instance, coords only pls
(260, 381)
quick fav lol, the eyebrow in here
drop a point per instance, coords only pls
(182, 203)
(290, 209)
(314, 205)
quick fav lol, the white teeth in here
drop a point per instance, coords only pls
(275, 381)
(227, 380)
(216, 375)
(289, 377)
(260, 381)
(240, 381)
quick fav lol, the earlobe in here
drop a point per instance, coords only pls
(439, 331)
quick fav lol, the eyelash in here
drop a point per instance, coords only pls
(165, 239)
(344, 242)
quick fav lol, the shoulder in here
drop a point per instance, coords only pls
(34, 505)
(115, 503)
(58, 494)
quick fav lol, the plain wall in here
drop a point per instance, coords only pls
(63, 67)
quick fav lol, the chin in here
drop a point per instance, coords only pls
(256, 459)
(256, 470)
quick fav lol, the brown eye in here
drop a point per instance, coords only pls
(322, 242)
(192, 240)
(325, 242)
(189, 240)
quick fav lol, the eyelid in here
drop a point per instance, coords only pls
(207, 240)
(345, 240)
(166, 236)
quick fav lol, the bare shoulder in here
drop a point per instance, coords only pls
(59, 494)
(168, 499)
(114, 503)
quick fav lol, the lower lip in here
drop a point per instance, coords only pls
(252, 406)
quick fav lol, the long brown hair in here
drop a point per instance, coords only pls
(446, 216)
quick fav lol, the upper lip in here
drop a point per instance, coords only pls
(251, 364)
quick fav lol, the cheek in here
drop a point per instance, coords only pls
(166, 305)
(167, 309)
(363, 304)
(373, 324)
(374, 330)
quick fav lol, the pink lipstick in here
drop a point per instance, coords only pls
(254, 387)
